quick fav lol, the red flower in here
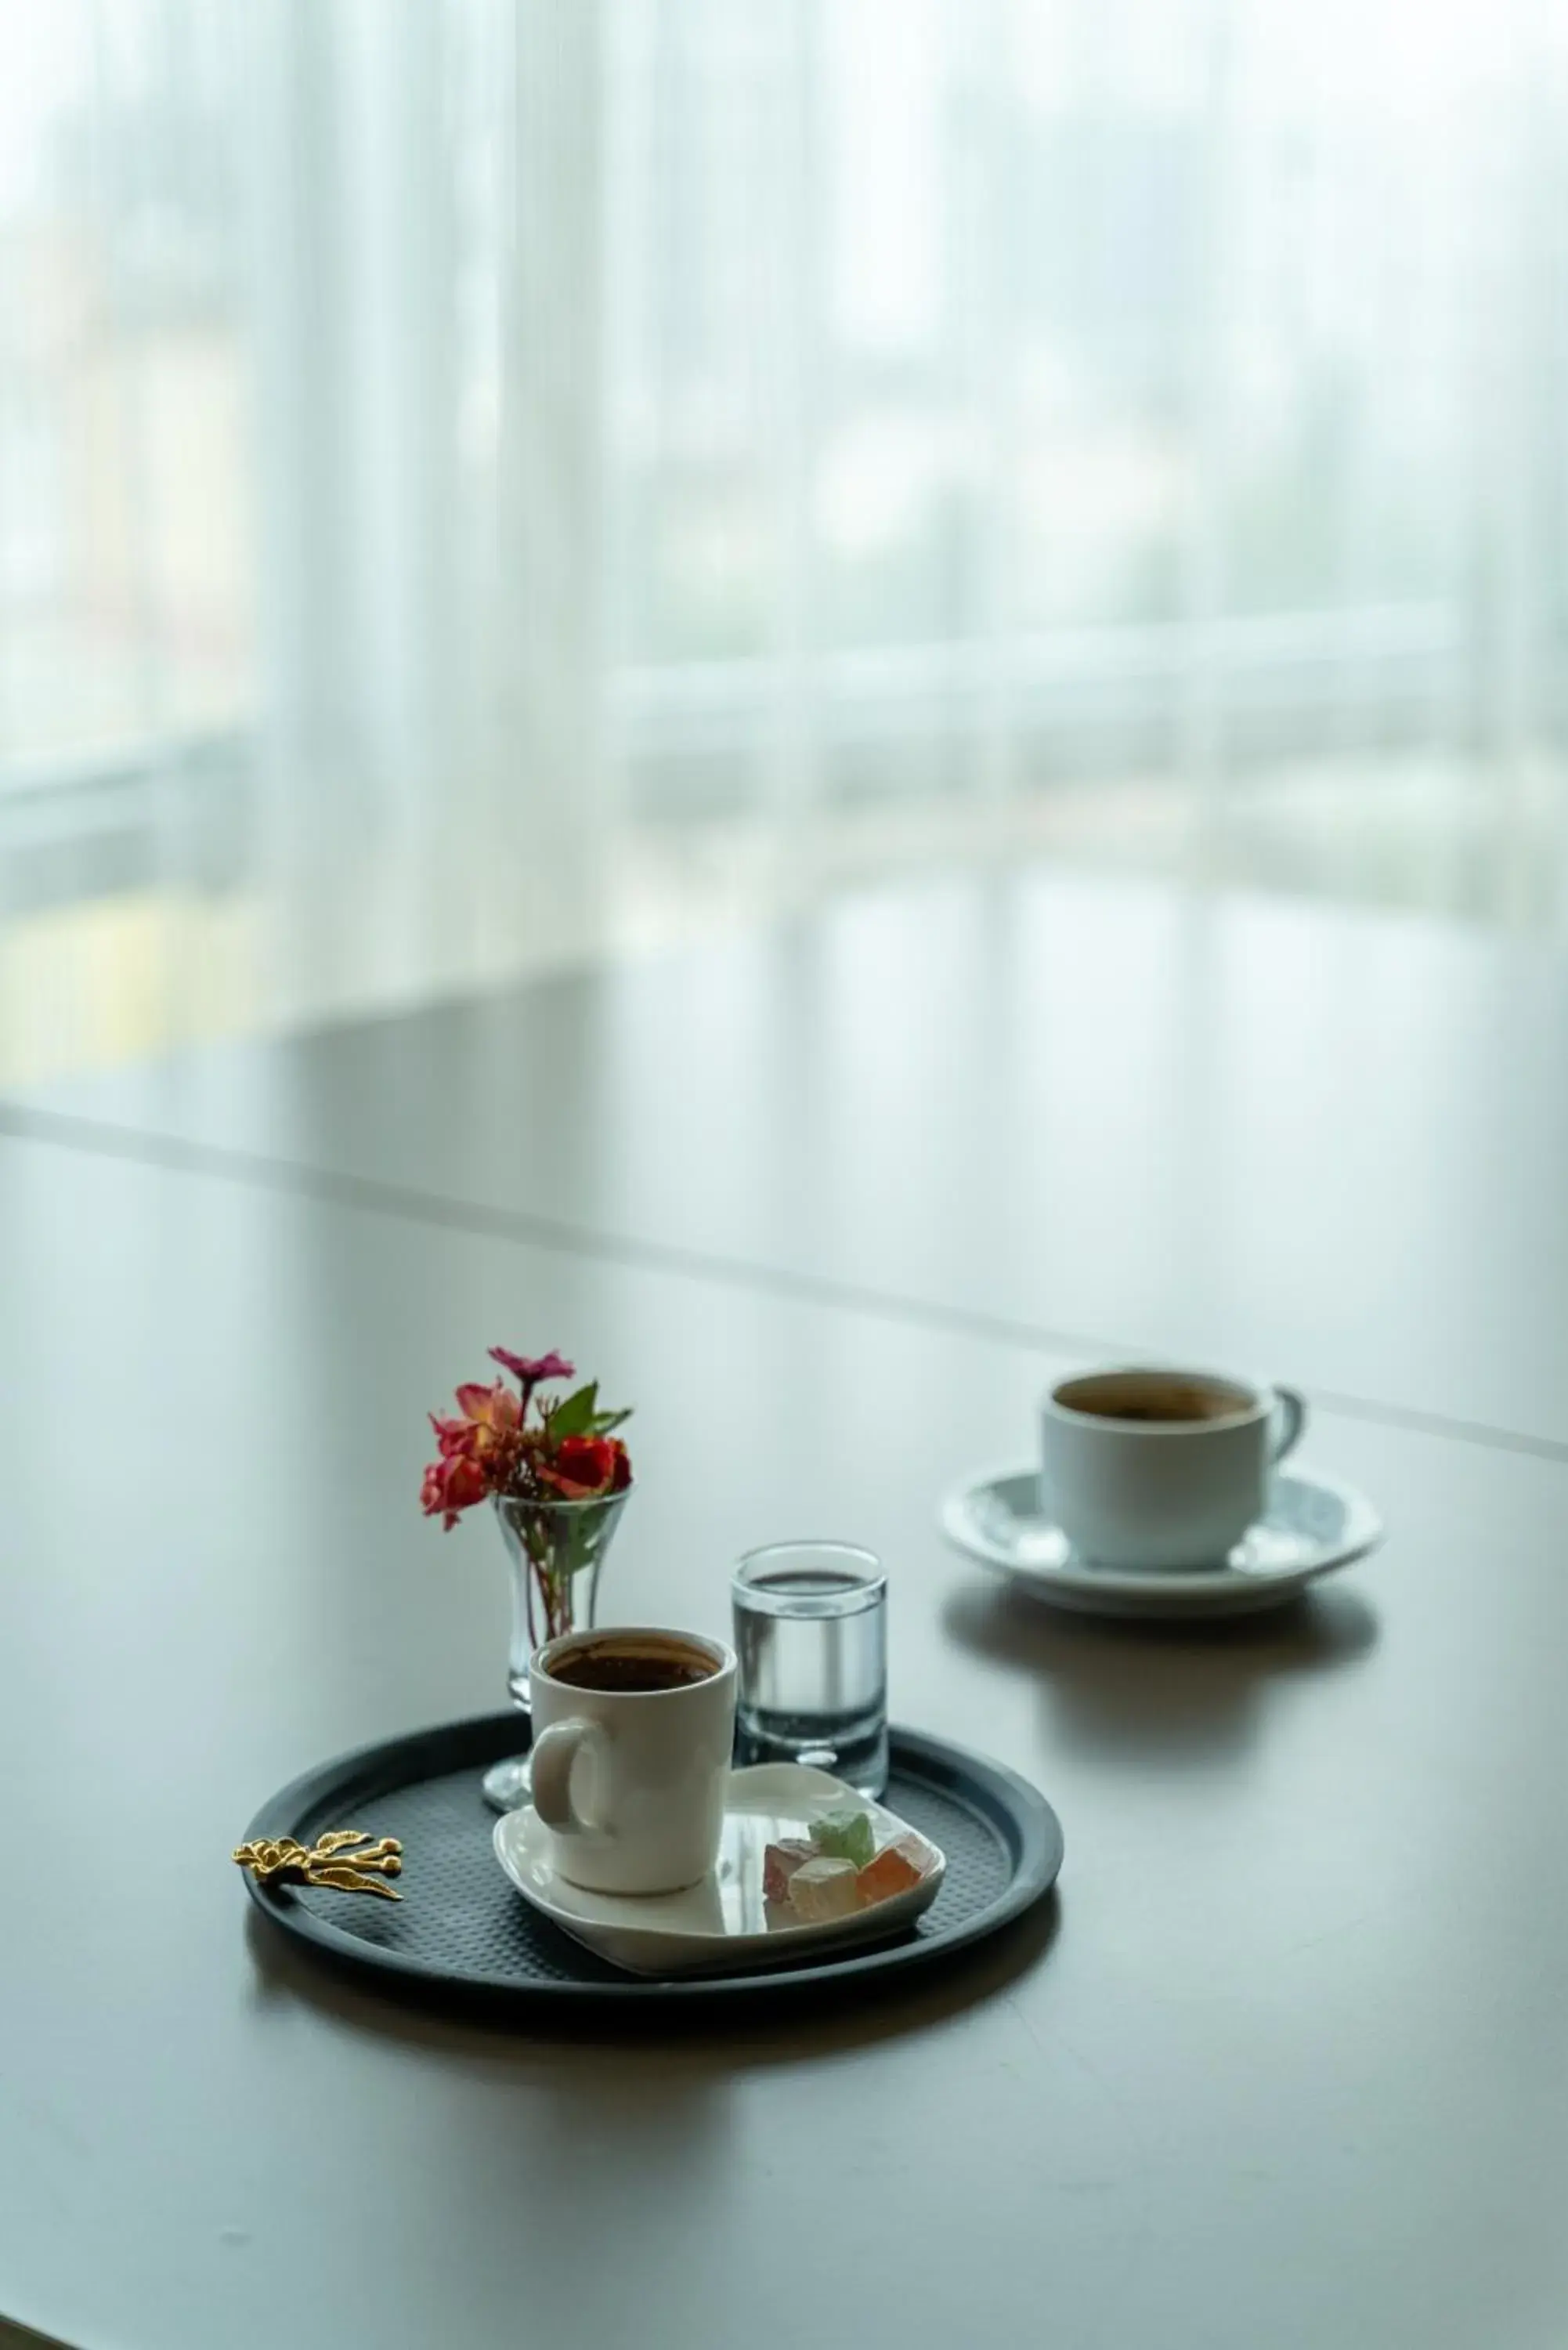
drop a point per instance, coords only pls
(529, 1372)
(583, 1467)
(453, 1484)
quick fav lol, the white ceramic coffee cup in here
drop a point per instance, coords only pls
(632, 1782)
(1146, 1468)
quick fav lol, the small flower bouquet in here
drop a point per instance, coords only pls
(527, 1445)
(558, 1477)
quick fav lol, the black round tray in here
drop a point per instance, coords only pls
(463, 1935)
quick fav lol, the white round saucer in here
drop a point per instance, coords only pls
(1312, 1525)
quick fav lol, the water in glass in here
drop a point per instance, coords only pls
(811, 1639)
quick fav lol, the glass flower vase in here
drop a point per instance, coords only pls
(555, 1550)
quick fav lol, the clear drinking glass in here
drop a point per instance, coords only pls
(811, 1633)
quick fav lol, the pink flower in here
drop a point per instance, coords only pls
(532, 1373)
(493, 1407)
(477, 1454)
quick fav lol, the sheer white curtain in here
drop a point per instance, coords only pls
(1178, 384)
(527, 420)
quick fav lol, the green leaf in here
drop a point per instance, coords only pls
(573, 1414)
(605, 1420)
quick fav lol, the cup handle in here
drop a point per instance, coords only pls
(1291, 1418)
(555, 1750)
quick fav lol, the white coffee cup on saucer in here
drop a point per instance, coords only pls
(633, 1729)
(1144, 1468)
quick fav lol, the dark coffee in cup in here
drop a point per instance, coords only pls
(640, 1666)
(1171, 1400)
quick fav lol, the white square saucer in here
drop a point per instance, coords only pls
(724, 1922)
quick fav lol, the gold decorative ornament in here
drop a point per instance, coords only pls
(341, 1858)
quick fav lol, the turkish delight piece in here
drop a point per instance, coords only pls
(823, 1888)
(779, 1865)
(845, 1836)
(891, 1872)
